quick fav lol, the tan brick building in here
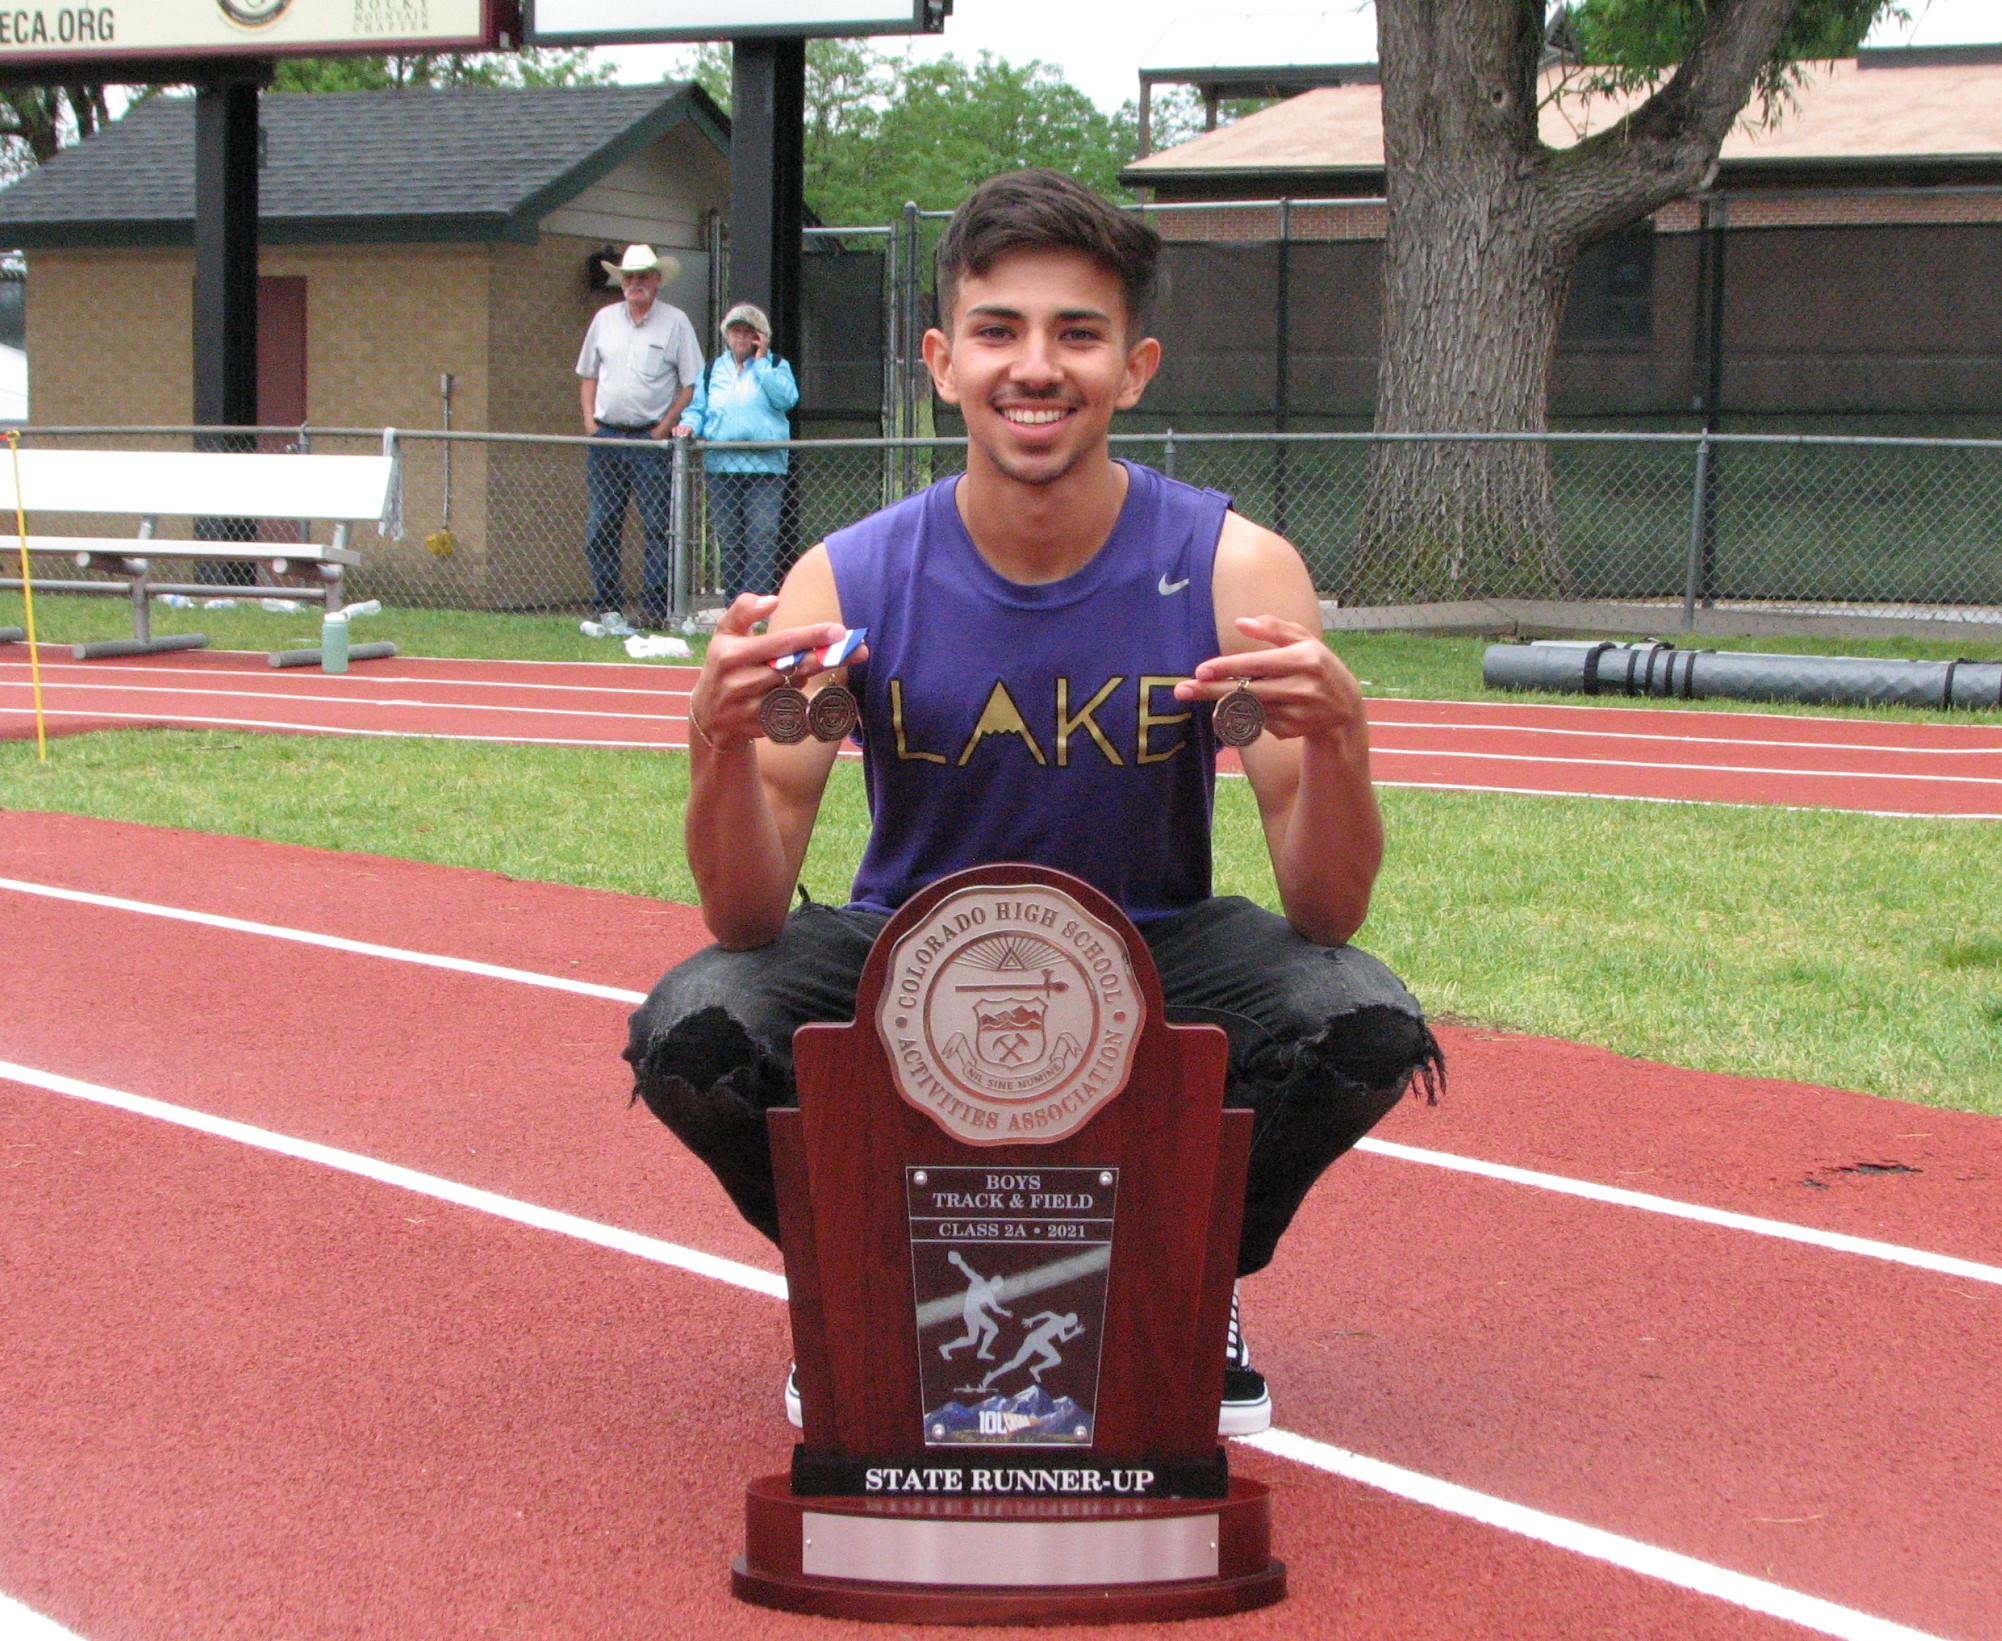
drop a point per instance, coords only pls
(405, 236)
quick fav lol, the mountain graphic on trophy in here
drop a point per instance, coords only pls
(1005, 986)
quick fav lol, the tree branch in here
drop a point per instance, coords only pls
(1667, 147)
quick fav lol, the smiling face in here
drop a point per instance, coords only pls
(742, 340)
(1037, 358)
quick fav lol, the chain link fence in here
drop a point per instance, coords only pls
(1884, 527)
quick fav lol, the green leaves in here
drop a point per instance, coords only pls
(445, 68)
(1627, 45)
(881, 130)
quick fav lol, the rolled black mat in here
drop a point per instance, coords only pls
(1659, 669)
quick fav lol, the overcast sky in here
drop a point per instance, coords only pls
(1099, 44)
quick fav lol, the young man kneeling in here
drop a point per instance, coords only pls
(1048, 635)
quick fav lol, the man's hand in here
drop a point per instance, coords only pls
(751, 807)
(1305, 689)
(737, 673)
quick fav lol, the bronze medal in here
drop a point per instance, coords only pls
(832, 713)
(783, 715)
(1240, 717)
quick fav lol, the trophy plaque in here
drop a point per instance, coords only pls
(1009, 1204)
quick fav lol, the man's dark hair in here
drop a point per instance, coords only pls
(1041, 210)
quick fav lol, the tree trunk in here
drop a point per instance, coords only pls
(1473, 291)
(1486, 224)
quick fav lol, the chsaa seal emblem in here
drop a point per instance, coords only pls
(253, 13)
(1010, 1014)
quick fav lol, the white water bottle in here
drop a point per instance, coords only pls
(334, 642)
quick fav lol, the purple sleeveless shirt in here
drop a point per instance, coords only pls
(1003, 722)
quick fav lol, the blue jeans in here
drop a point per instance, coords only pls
(1323, 1042)
(613, 473)
(744, 511)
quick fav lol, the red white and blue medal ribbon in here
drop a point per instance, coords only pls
(828, 655)
(787, 716)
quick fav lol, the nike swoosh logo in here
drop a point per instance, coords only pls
(1168, 589)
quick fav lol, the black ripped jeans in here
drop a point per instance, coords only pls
(1323, 1042)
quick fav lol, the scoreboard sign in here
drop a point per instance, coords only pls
(603, 22)
(73, 32)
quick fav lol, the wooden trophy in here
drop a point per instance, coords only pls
(1009, 1203)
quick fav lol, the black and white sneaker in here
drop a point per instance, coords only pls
(1247, 1404)
(793, 1415)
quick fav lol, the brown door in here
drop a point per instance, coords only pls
(281, 377)
(281, 351)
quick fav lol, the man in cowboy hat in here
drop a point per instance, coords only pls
(639, 367)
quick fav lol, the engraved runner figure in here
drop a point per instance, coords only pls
(1044, 1327)
(983, 1294)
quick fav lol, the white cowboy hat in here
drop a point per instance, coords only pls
(640, 259)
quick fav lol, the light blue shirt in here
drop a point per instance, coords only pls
(747, 403)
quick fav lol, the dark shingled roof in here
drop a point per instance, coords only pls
(467, 163)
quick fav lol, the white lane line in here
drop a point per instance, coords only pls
(661, 1252)
(282, 726)
(1990, 749)
(1784, 1230)
(851, 754)
(1694, 803)
(330, 942)
(351, 692)
(355, 680)
(279, 725)
(1757, 1225)
(296, 697)
(1537, 762)
(19, 1623)
(1668, 1566)
(160, 720)
(1595, 1543)
(1653, 709)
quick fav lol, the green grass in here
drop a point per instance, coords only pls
(1830, 948)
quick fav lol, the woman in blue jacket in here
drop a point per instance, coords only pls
(744, 395)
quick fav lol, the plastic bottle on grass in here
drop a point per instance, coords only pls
(334, 642)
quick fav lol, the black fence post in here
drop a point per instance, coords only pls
(225, 329)
(914, 386)
(1282, 398)
(1716, 224)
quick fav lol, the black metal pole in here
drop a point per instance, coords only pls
(768, 204)
(225, 330)
(1282, 367)
(767, 181)
(1715, 225)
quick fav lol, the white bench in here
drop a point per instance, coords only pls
(153, 484)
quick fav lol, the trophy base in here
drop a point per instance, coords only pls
(957, 1560)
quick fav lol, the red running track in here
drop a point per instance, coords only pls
(248, 1395)
(1615, 752)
